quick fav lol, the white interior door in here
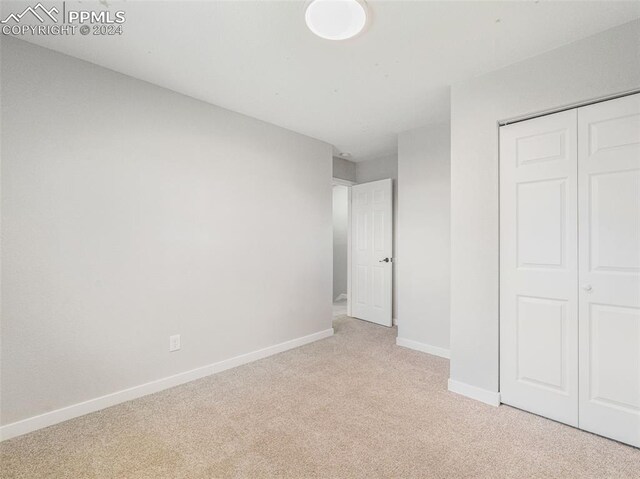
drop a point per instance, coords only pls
(371, 249)
(538, 266)
(609, 294)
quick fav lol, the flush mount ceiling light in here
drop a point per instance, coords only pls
(336, 19)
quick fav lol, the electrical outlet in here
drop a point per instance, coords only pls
(174, 342)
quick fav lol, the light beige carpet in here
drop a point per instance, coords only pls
(354, 405)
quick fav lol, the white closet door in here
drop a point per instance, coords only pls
(609, 294)
(538, 266)
(371, 249)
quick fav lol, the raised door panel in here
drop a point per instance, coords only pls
(541, 147)
(615, 222)
(541, 224)
(360, 256)
(360, 297)
(542, 326)
(614, 357)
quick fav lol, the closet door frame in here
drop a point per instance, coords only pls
(500, 123)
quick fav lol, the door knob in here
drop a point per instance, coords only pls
(587, 287)
(386, 260)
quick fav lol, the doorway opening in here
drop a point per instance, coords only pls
(362, 250)
(341, 245)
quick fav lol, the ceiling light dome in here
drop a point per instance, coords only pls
(336, 19)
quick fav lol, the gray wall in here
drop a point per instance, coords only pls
(424, 163)
(131, 213)
(379, 169)
(604, 64)
(340, 239)
(344, 169)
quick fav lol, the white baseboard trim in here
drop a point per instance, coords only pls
(270, 351)
(34, 423)
(425, 348)
(340, 297)
(394, 321)
(488, 397)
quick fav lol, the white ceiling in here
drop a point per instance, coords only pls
(258, 58)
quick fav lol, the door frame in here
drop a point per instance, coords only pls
(348, 184)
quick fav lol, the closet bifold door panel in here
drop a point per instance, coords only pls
(609, 268)
(539, 266)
